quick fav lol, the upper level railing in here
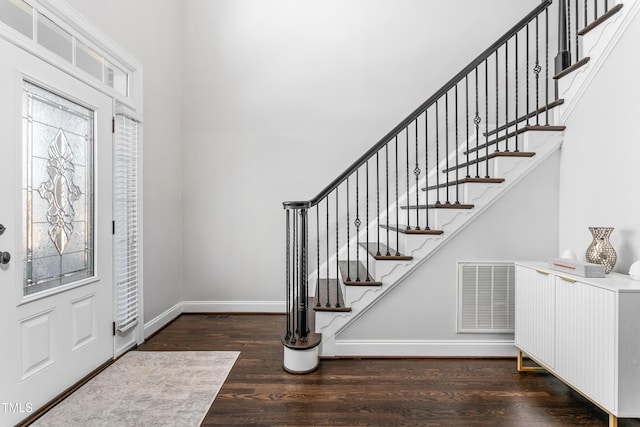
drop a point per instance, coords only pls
(420, 164)
(422, 108)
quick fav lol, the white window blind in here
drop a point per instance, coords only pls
(486, 294)
(126, 222)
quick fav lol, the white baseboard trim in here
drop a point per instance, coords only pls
(162, 319)
(425, 348)
(233, 307)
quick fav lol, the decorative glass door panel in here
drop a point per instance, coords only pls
(58, 137)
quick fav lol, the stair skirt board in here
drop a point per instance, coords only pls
(425, 348)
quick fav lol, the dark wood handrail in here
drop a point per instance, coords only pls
(421, 109)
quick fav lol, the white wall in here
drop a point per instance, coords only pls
(522, 225)
(151, 31)
(599, 167)
(281, 96)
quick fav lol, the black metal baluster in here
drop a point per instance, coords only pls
(476, 121)
(446, 144)
(466, 89)
(406, 134)
(506, 95)
(595, 10)
(416, 172)
(457, 202)
(517, 93)
(606, 6)
(328, 304)
(367, 279)
(586, 18)
(304, 276)
(527, 74)
(577, 29)
(287, 274)
(348, 237)
(546, 67)
(386, 157)
(378, 199)
(295, 278)
(563, 58)
(337, 251)
(486, 112)
(318, 254)
(437, 154)
(536, 70)
(568, 5)
(426, 166)
(397, 202)
(357, 224)
(497, 104)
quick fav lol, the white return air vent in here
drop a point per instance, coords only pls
(486, 297)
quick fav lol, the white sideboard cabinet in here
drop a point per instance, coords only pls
(584, 331)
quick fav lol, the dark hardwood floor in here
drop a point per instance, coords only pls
(369, 392)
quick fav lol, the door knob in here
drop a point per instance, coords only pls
(5, 257)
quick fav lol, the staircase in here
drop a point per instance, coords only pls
(426, 180)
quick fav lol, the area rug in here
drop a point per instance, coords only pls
(147, 388)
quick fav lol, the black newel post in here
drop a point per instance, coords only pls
(563, 58)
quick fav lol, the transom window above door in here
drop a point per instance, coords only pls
(28, 19)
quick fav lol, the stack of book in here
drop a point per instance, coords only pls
(579, 268)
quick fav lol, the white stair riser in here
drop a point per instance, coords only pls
(497, 166)
(438, 218)
(412, 242)
(465, 193)
(355, 293)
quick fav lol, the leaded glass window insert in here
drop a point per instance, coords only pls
(58, 136)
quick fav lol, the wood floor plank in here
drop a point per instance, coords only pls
(369, 392)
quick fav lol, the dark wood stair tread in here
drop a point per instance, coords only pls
(529, 115)
(372, 248)
(335, 294)
(440, 206)
(353, 270)
(403, 229)
(572, 68)
(608, 14)
(466, 181)
(547, 128)
(489, 157)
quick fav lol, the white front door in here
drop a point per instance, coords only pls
(56, 290)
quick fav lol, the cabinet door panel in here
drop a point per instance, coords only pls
(535, 314)
(585, 335)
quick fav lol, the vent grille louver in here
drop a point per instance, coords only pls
(486, 297)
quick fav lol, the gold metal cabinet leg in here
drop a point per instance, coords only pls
(613, 420)
(522, 368)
